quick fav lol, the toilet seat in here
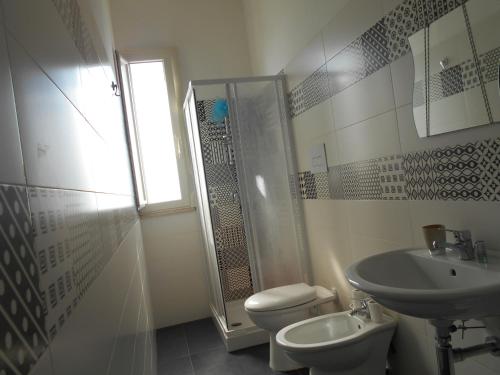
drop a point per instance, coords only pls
(283, 297)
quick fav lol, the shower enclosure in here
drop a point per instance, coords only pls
(247, 189)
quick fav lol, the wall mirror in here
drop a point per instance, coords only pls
(457, 60)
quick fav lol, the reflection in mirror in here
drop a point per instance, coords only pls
(454, 102)
(448, 93)
(484, 16)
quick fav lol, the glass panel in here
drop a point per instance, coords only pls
(266, 171)
(192, 125)
(156, 136)
(453, 104)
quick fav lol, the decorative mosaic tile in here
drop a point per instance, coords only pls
(420, 175)
(392, 178)
(435, 88)
(221, 195)
(489, 63)
(375, 47)
(71, 15)
(489, 165)
(457, 173)
(335, 182)
(438, 8)
(470, 77)
(361, 180)
(402, 22)
(22, 304)
(451, 81)
(307, 185)
(322, 188)
(296, 101)
(315, 88)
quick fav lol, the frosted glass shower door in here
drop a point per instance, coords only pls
(192, 126)
(266, 172)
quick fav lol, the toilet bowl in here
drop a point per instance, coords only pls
(276, 308)
(339, 344)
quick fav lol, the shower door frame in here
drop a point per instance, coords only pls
(290, 155)
(205, 213)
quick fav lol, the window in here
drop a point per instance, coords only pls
(155, 138)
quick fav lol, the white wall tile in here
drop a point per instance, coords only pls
(39, 28)
(310, 127)
(402, 72)
(348, 24)
(11, 167)
(54, 135)
(375, 137)
(331, 147)
(327, 230)
(306, 62)
(85, 343)
(367, 98)
(387, 220)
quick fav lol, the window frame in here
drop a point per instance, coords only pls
(168, 57)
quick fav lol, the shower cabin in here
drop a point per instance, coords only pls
(248, 195)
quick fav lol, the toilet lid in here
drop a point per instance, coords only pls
(281, 297)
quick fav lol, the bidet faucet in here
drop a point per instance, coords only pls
(463, 245)
(362, 310)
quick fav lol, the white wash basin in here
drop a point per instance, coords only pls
(443, 287)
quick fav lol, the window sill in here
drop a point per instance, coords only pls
(152, 212)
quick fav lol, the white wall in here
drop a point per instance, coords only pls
(370, 119)
(279, 29)
(175, 261)
(211, 42)
(209, 35)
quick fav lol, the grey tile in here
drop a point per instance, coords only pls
(171, 343)
(216, 362)
(176, 366)
(202, 336)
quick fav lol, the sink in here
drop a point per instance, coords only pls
(412, 282)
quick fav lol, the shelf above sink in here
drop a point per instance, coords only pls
(412, 282)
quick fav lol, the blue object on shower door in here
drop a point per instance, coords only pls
(220, 111)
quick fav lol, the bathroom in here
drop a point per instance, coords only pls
(358, 155)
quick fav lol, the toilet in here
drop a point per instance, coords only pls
(339, 344)
(276, 308)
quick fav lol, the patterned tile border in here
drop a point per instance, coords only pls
(381, 44)
(75, 234)
(459, 173)
(71, 15)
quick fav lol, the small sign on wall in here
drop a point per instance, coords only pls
(318, 158)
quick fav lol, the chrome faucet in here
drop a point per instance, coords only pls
(363, 310)
(463, 245)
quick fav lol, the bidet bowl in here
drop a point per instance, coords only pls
(412, 282)
(338, 342)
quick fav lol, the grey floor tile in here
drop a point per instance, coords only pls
(171, 343)
(202, 336)
(176, 366)
(216, 362)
